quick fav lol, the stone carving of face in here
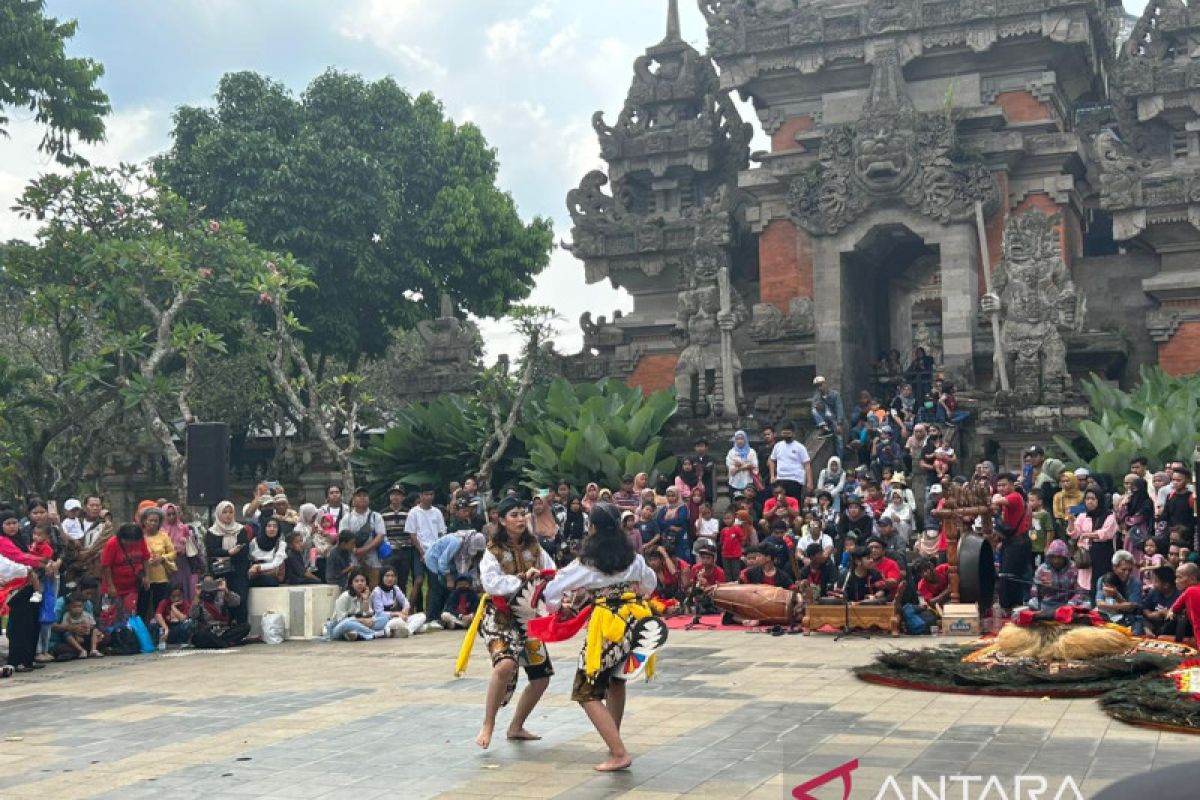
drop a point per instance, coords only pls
(882, 160)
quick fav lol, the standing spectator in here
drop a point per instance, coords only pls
(790, 464)
(741, 462)
(1069, 497)
(185, 550)
(1016, 553)
(478, 501)
(627, 497)
(425, 524)
(227, 544)
(688, 477)
(161, 564)
(23, 594)
(369, 533)
(123, 566)
(768, 445)
(334, 506)
(1094, 531)
(706, 466)
(92, 523)
(216, 626)
(673, 526)
(575, 528)
(630, 529)
(920, 372)
(1136, 516)
(1178, 508)
(591, 495)
(828, 413)
(309, 529)
(647, 526)
(1041, 525)
(394, 518)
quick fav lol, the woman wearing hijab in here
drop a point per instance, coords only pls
(23, 628)
(543, 524)
(1094, 531)
(228, 546)
(741, 462)
(308, 526)
(641, 482)
(673, 522)
(591, 496)
(575, 528)
(833, 480)
(268, 552)
(688, 477)
(1069, 495)
(1136, 516)
(184, 578)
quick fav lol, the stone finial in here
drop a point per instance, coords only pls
(673, 30)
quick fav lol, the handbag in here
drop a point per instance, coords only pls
(384, 549)
(221, 566)
(1082, 558)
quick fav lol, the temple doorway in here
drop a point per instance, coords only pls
(891, 297)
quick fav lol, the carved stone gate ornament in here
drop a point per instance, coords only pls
(892, 154)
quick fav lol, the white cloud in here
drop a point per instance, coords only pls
(393, 26)
(561, 45)
(505, 40)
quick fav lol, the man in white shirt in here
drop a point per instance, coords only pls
(789, 464)
(425, 524)
(93, 522)
(369, 531)
(71, 525)
(334, 506)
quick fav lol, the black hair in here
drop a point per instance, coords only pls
(354, 573)
(1007, 476)
(6, 515)
(35, 502)
(1145, 462)
(386, 570)
(89, 583)
(875, 540)
(859, 553)
(1164, 574)
(812, 549)
(1184, 471)
(291, 536)
(129, 532)
(607, 548)
(345, 536)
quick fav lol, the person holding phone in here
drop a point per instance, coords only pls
(1093, 530)
(213, 618)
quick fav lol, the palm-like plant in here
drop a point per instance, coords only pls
(1160, 419)
(593, 432)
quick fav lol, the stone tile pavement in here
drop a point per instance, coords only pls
(731, 715)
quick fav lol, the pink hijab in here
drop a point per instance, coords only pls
(178, 532)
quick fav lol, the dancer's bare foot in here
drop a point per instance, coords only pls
(484, 739)
(522, 735)
(614, 764)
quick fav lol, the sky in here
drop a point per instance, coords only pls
(530, 73)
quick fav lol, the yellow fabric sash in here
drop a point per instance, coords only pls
(609, 625)
(464, 652)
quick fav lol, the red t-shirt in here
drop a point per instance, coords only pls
(1189, 599)
(792, 503)
(732, 541)
(164, 608)
(126, 563)
(1013, 513)
(888, 569)
(711, 577)
(930, 589)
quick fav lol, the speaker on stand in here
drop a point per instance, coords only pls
(207, 464)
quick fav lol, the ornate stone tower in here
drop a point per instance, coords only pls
(668, 229)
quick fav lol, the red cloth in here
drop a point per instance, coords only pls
(792, 503)
(556, 629)
(42, 550)
(9, 549)
(125, 562)
(930, 589)
(1189, 599)
(733, 540)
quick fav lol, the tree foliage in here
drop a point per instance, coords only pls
(387, 201)
(36, 74)
(580, 433)
(1160, 419)
(134, 288)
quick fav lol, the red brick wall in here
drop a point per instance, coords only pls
(1181, 355)
(784, 139)
(785, 264)
(1021, 106)
(654, 372)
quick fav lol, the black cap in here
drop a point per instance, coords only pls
(706, 549)
(1036, 450)
(397, 489)
(361, 490)
(886, 521)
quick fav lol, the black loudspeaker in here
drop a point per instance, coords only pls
(207, 463)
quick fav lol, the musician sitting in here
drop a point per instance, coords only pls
(819, 577)
(763, 569)
(706, 575)
(890, 572)
(933, 582)
(863, 583)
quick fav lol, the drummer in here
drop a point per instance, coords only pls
(706, 575)
(762, 569)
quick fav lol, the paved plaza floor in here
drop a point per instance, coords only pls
(730, 715)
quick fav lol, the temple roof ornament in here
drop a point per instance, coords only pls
(893, 154)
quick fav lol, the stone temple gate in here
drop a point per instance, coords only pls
(964, 175)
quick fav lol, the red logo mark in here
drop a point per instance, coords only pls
(801, 792)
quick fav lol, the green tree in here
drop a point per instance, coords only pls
(386, 200)
(1160, 419)
(137, 287)
(35, 74)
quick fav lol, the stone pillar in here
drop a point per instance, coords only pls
(828, 300)
(960, 257)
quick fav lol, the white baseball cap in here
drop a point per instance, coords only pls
(72, 505)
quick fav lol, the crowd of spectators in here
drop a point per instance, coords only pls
(861, 528)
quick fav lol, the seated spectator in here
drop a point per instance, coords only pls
(1056, 582)
(863, 584)
(933, 582)
(762, 569)
(389, 601)
(296, 570)
(353, 617)
(460, 605)
(813, 533)
(1119, 593)
(212, 618)
(889, 570)
(340, 561)
(77, 627)
(268, 552)
(1187, 581)
(173, 619)
(673, 574)
(887, 533)
(1158, 601)
(780, 499)
(855, 520)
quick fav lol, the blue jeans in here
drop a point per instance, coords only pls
(338, 630)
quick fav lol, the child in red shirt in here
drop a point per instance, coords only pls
(1187, 580)
(734, 538)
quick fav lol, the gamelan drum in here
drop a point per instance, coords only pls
(976, 570)
(769, 604)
